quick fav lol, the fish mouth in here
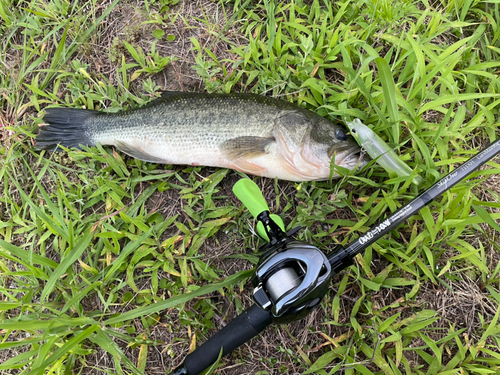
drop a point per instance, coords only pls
(352, 158)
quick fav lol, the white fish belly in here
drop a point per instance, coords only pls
(203, 149)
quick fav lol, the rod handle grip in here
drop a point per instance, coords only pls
(238, 331)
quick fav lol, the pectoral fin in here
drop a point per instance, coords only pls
(245, 147)
(138, 153)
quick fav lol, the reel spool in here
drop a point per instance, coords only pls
(291, 280)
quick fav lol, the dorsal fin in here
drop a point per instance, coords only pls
(168, 94)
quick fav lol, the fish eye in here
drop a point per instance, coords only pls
(340, 135)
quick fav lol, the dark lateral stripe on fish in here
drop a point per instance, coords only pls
(66, 127)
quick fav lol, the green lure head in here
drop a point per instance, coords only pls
(360, 132)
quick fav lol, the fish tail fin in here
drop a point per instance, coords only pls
(67, 127)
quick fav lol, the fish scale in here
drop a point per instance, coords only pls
(255, 134)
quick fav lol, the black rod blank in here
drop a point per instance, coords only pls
(441, 186)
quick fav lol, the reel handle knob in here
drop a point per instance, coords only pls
(250, 195)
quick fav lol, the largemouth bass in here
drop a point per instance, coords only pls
(251, 133)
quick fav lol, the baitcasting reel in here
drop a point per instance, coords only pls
(292, 276)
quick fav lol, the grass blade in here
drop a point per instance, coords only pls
(390, 92)
(26, 256)
(64, 349)
(68, 260)
(174, 301)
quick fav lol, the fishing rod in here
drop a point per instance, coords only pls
(292, 276)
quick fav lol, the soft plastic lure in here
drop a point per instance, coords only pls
(379, 150)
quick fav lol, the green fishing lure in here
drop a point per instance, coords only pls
(380, 151)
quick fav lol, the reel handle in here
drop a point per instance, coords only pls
(250, 195)
(289, 282)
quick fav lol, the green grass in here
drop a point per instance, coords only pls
(112, 265)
